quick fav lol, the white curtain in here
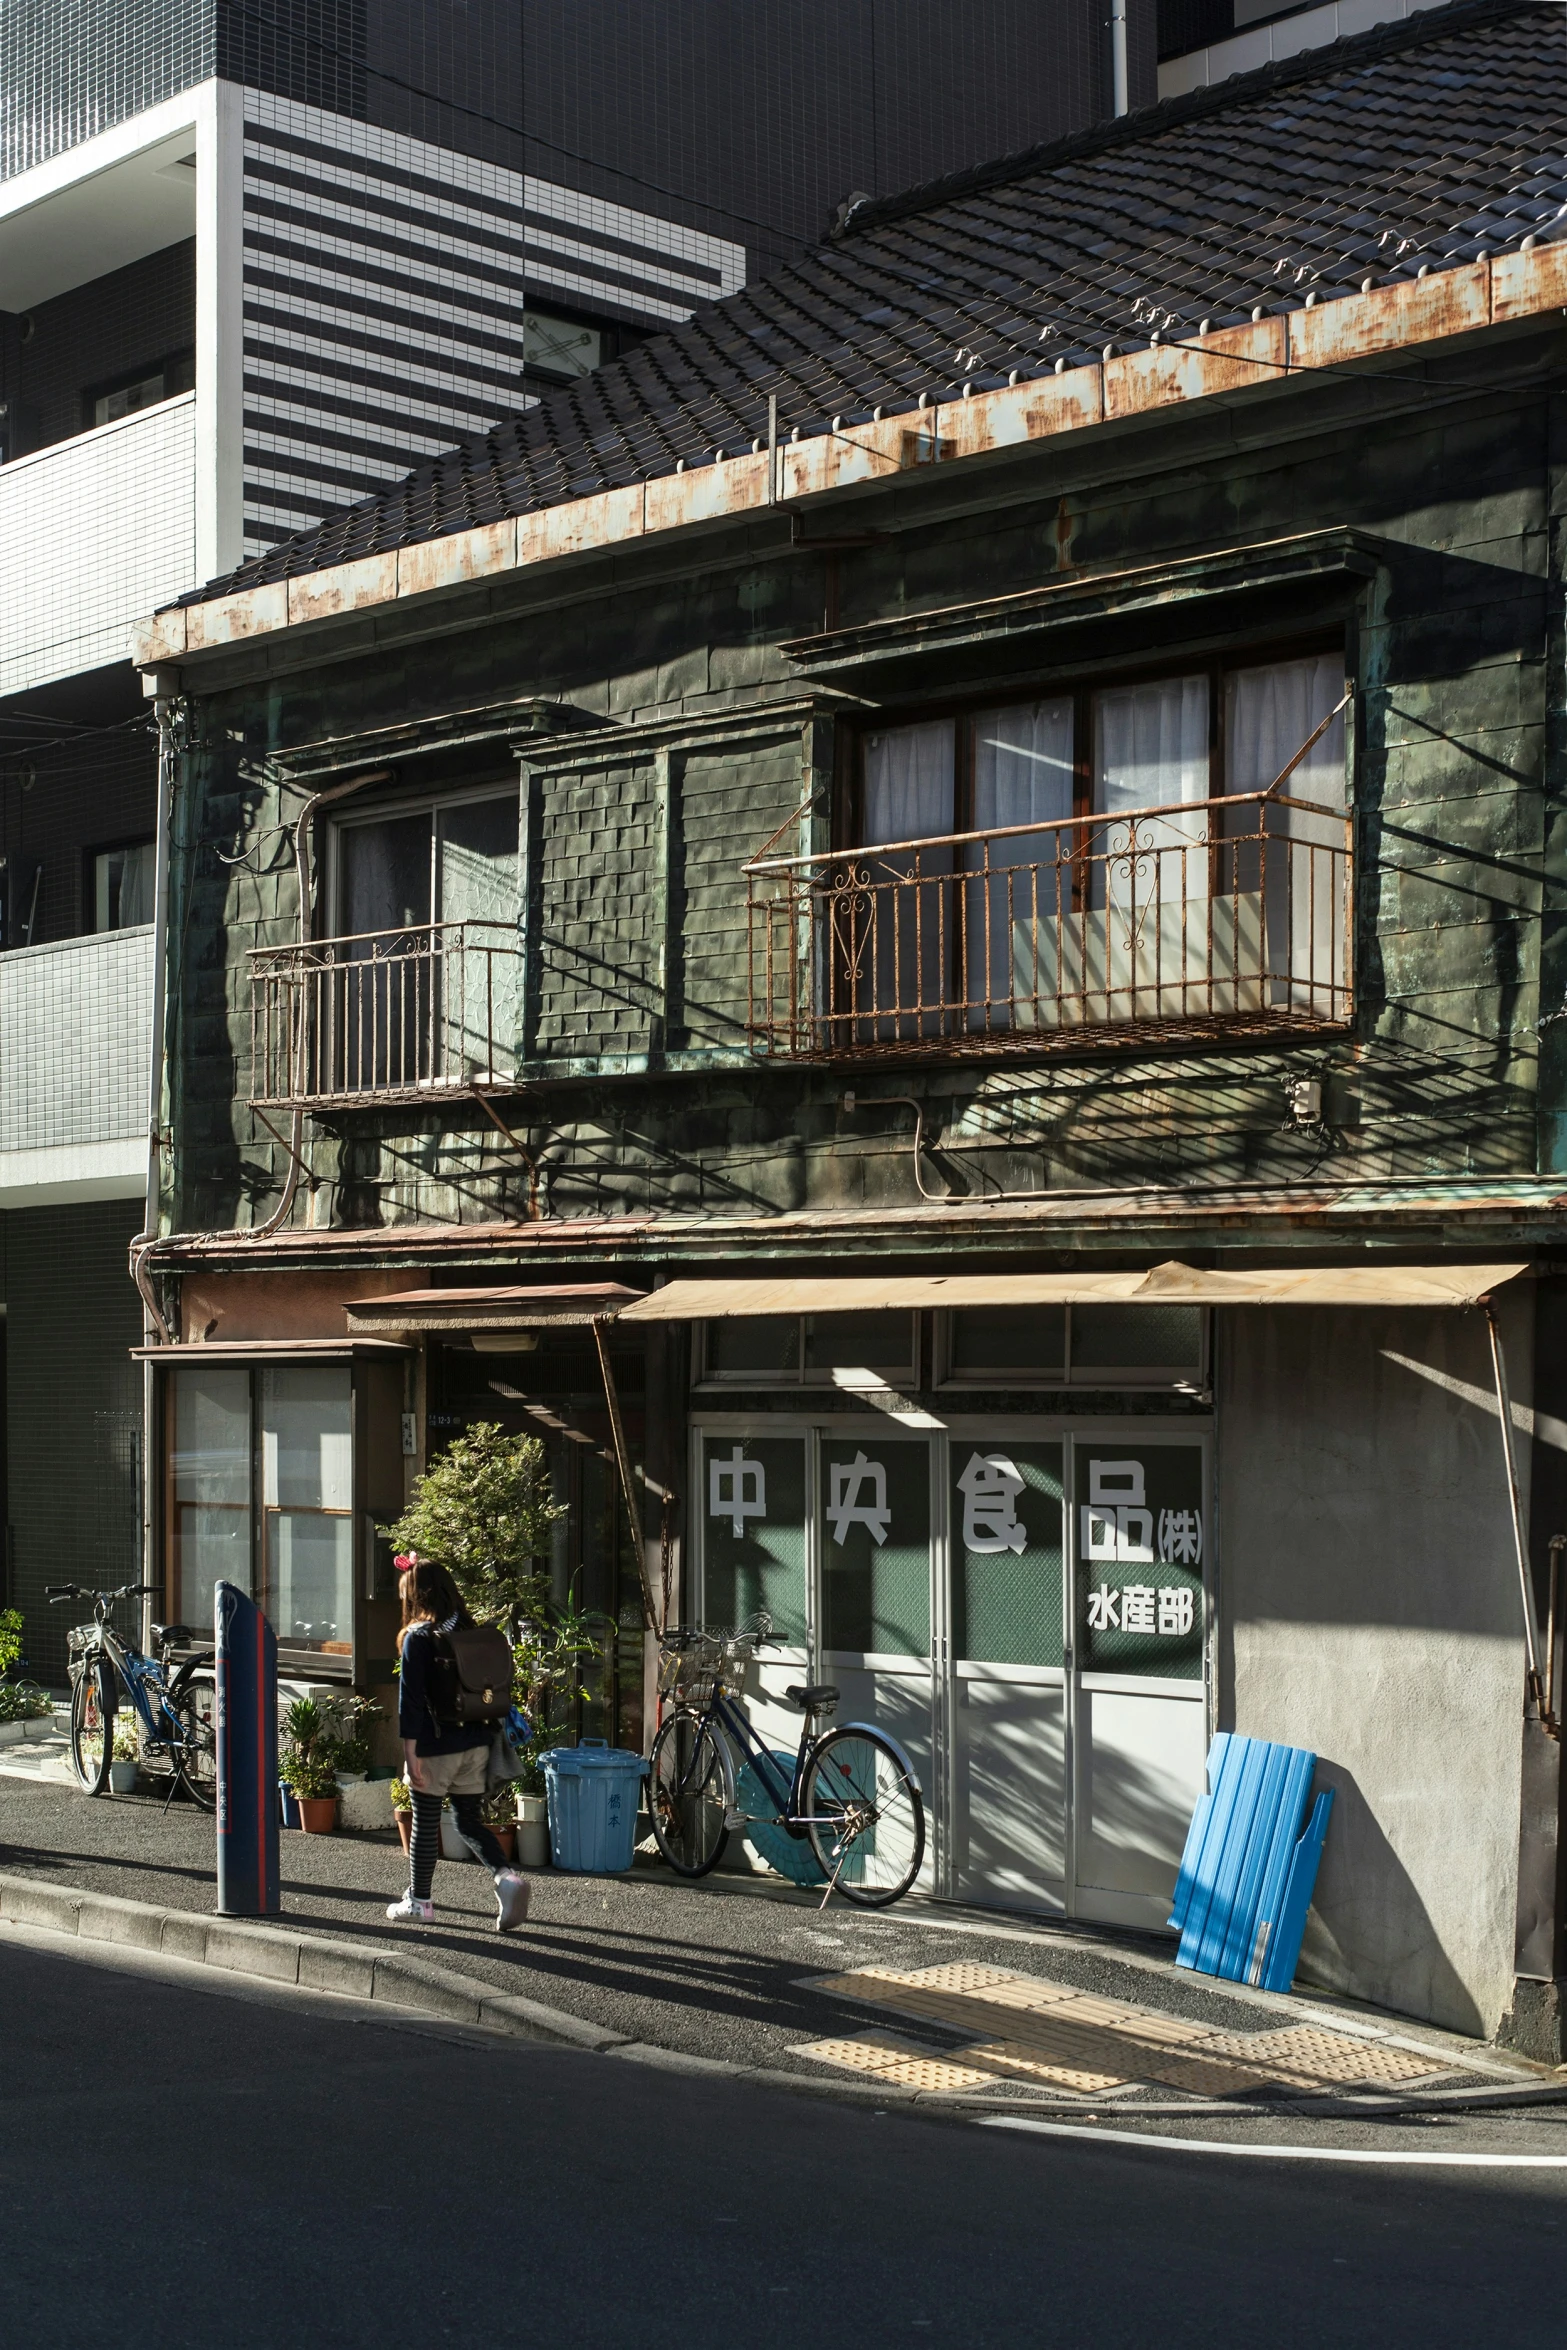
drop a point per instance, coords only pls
(893, 938)
(1141, 950)
(1298, 868)
(908, 783)
(137, 876)
(1268, 715)
(1023, 768)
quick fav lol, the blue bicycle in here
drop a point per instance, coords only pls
(174, 1704)
(853, 1794)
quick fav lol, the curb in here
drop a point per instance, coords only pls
(312, 1962)
(421, 1986)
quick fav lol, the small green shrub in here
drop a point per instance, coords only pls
(483, 1511)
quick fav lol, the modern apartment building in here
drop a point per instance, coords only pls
(1203, 41)
(258, 258)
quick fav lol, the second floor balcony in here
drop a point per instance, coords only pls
(1207, 918)
(389, 1016)
(75, 1042)
(95, 532)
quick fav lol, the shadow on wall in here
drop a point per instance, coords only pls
(1371, 1898)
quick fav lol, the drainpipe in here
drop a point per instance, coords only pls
(173, 716)
(1531, 1635)
(1120, 100)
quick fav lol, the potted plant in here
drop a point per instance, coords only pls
(22, 1703)
(547, 1656)
(125, 1754)
(309, 1765)
(403, 1811)
(354, 1715)
(499, 1813)
(484, 1510)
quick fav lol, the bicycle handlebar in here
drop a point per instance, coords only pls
(55, 1592)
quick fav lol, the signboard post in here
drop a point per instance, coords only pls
(247, 1757)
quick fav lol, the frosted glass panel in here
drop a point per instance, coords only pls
(210, 1474)
(306, 1445)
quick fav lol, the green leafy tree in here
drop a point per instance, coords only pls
(10, 1638)
(483, 1511)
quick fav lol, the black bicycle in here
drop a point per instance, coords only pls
(174, 1704)
(852, 1793)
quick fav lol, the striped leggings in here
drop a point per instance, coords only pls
(424, 1848)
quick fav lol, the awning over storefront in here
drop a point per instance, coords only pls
(462, 1310)
(1170, 1284)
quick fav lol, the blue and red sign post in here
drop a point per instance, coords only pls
(247, 1757)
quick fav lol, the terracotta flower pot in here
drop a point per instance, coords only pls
(405, 1827)
(318, 1814)
(506, 1838)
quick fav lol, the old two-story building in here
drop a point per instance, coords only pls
(923, 924)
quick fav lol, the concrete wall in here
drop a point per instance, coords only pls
(1369, 1609)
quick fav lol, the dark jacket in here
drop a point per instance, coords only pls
(415, 1719)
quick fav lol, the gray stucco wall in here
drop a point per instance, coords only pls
(1369, 1609)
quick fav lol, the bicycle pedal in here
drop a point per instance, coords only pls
(737, 1819)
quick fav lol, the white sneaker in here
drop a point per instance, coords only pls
(511, 1896)
(409, 1912)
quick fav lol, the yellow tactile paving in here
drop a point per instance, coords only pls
(1022, 2027)
(889, 2059)
(1301, 2054)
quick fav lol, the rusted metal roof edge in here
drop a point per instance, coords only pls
(1279, 350)
(1256, 1219)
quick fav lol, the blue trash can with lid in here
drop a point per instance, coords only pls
(592, 1792)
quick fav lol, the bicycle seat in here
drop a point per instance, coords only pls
(171, 1632)
(813, 1697)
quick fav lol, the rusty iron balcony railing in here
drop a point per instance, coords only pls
(390, 1016)
(1211, 917)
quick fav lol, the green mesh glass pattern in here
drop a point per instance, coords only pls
(1136, 1338)
(758, 1485)
(876, 1592)
(1006, 1553)
(1140, 1541)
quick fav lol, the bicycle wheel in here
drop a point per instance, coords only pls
(192, 1701)
(686, 1795)
(864, 1816)
(92, 1734)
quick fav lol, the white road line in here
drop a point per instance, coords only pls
(1394, 2154)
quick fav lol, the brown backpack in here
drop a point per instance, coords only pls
(470, 1676)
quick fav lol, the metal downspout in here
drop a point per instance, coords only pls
(172, 715)
(1119, 80)
(1531, 1634)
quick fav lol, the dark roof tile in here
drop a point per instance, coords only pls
(1426, 141)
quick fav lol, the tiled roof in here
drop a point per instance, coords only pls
(1419, 145)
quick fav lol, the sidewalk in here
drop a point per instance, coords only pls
(750, 1972)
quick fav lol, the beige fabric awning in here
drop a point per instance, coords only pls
(1171, 1284)
(568, 1305)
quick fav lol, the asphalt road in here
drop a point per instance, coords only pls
(229, 2167)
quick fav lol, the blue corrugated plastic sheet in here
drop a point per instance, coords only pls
(1250, 1864)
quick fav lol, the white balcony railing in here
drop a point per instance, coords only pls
(390, 1016)
(95, 533)
(1201, 919)
(75, 1036)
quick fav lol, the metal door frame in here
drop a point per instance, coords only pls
(966, 1427)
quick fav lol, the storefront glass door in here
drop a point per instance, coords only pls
(1007, 1696)
(1023, 1608)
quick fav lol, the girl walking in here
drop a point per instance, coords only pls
(444, 1758)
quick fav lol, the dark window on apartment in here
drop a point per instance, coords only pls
(139, 387)
(558, 346)
(452, 861)
(1080, 1345)
(120, 885)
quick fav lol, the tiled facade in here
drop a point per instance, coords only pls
(74, 1022)
(92, 532)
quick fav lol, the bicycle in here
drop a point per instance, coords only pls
(175, 1713)
(853, 1794)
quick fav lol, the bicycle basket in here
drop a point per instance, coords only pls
(688, 1673)
(79, 1639)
